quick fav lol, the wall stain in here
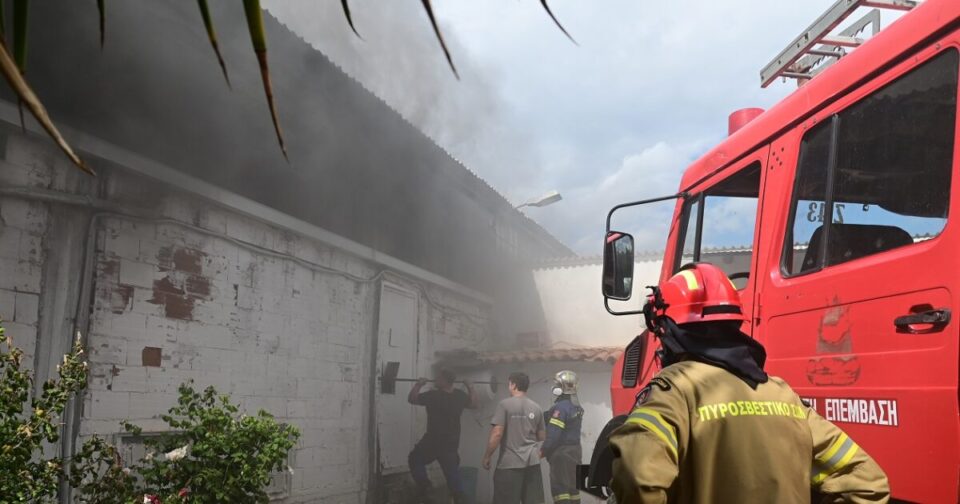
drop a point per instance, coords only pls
(183, 285)
(120, 298)
(181, 259)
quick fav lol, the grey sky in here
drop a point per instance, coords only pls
(616, 118)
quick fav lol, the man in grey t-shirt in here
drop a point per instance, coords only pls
(518, 430)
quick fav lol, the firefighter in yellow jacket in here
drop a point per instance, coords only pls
(712, 426)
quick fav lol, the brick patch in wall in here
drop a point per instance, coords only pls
(152, 356)
(183, 284)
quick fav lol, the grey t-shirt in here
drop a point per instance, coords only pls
(521, 419)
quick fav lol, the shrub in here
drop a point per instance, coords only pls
(26, 474)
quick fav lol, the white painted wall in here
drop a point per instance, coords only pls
(573, 305)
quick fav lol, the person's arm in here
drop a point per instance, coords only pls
(541, 428)
(842, 471)
(414, 396)
(499, 422)
(646, 448)
(555, 425)
(496, 434)
(473, 403)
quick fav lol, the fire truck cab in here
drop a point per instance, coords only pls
(850, 192)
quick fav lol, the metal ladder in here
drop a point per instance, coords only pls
(815, 49)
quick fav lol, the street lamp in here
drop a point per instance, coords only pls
(547, 199)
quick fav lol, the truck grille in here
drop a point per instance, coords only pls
(631, 362)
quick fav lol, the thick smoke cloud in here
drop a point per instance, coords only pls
(400, 60)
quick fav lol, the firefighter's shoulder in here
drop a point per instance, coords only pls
(673, 379)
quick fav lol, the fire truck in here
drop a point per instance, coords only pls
(843, 193)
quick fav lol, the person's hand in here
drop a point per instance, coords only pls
(422, 381)
(468, 384)
(486, 462)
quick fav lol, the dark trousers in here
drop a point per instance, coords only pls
(563, 473)
(511, 486)
(424, 453)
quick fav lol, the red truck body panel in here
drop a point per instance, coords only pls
(831, 333)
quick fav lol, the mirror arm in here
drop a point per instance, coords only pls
(606, 304)
(642, 202)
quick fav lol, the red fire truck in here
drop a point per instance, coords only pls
(843, 191)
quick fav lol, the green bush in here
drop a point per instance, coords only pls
(212, 453)
(26, 475)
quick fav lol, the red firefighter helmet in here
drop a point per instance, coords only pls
(700, 292)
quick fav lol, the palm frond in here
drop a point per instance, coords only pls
(20, 10)
(212, 35)
(26, 95)
(3, 23)
(103, 21)
(259, 38)
(436, 29)
(556, 21)
(346, 12)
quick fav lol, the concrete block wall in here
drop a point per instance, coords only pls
(22, 226)
(192, 291)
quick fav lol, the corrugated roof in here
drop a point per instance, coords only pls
(593, 354)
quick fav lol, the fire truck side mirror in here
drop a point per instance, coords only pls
(618, 266)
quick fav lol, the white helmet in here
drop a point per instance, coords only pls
(565, 382)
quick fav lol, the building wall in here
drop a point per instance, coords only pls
(182, 289)
(573, 305)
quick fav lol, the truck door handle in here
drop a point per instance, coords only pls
(936, 319)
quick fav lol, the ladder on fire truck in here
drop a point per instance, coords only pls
(815, 49)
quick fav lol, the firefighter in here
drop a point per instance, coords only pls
(712, 426)
(562, 446)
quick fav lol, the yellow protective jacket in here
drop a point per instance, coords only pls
(699, 434)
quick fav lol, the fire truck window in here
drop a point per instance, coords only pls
(690, 238)
(729, 216)
(894, 158)
(809, 199)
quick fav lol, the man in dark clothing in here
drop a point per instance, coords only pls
(562, 446)
(442, 440)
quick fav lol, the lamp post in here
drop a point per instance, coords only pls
(547, 199)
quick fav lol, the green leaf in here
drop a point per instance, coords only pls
(436, 30)
(259, 39)
(212, 35)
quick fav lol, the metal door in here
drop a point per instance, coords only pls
(397, 341)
